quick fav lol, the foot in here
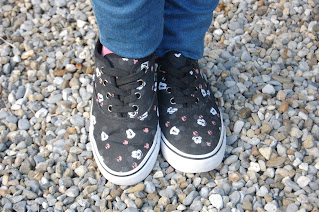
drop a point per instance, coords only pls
(193, 134)
(124, 129)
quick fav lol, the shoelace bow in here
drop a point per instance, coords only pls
(182, 83)
(119, 94)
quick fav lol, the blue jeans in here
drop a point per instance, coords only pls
(137, 28)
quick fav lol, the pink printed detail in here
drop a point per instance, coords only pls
(184, 118)
(197, 71)
(152, 68)
(213, 122)
(119, 158)
(100, 80)
(107, 146)
(146, 146)
(200, 116)
(208, 143)
(125, 142)
(167, 124)
(210, 132)
(200, 86)
(146, 130)
(154, 107)
(134, 165)
(105, 51)
(135, 61)
(195, 133)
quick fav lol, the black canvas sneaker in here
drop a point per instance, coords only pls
(124, 129)
(193, 137)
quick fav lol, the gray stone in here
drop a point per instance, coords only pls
(196, 206)
(23, 124)
(60, 3)
(269, 89)
(238, 126)
(190, 197)
(72, 191)
(169, 193)
(149, 187)
(20, 206)
(77, 120)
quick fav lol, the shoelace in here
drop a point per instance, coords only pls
(182, 84)
(119, 94)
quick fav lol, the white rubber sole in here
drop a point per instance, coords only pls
(194, 163)
(134, 176)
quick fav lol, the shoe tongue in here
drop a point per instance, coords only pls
(122, 63)
(176, 59)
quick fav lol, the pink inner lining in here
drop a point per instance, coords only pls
(106, 51)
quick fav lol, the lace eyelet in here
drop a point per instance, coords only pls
(142, 83)
(144, 69)
(172, 101)
(108, 95)
(138, 95)
(135, 108)
(169, 90)
(197, 100)
(109, 108)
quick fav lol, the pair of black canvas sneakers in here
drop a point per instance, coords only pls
(142, 106)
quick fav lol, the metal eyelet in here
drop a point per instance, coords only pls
(108, 95)
(102, 70)
(172, 101)
(197, 100)
(138, 95)
(135, 108)
(144, 69)
(141, 82)
(169, 90)
(109, 108)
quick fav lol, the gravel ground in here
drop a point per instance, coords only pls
(262, 59)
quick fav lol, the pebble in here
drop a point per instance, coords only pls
(72, 191)
(190, 197)
(269, 89)
(274, 162)
(303, 181)
(81, 171)
(266, 152)
(238, 126)
(216, 200)
(136, 188)
(23, 124)
(270, 207)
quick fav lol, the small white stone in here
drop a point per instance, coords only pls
(266, 152)
(238, 126)
(304, 166)
(262, 191)
(271, 207)
(254, 167)
(303, 181)
(216, 200)
(81, 171)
